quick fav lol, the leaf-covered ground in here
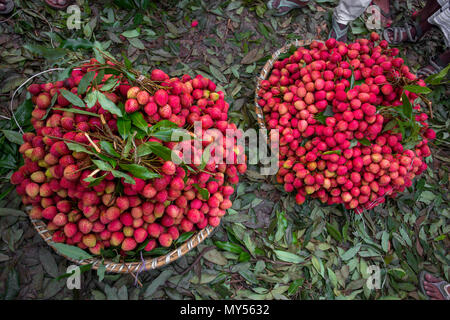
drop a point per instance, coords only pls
(266, 247)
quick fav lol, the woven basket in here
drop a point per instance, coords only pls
(266, 71)
(129, 267)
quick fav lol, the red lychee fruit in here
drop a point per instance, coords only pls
(159, 75)
(148, 191)
(70, 229)
(165, 240)
(129, 244)
(140, 235)
(72, 172)
(60, 219)
(154, 230)
(143, 97)
(131, 106)
(161, 97)
(32, 189)
(169, 168)
(89, 240)
(116, 239)
(150, 245)
(85, 226)
(112, 213)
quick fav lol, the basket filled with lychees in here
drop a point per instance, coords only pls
(351, 117)
(124, 170)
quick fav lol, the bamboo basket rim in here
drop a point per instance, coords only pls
(150, 263)
(266, 70)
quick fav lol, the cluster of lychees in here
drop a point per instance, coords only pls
(57, 180)
(331, 104)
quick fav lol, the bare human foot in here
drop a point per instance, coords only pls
(58, 4)
(6, 6)
(432, 290)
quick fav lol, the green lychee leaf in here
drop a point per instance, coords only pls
(111, 161)
(127, 178)
(101, 270)
(128, 145)
(172, 134)
(203, 192)
(217, 74)
(139, 171)
(138, 44)
(332, 152)
(91, 99)
(78, 148)
(99, 77)
(364, 142)
(417, 89)
(124, 126)
(95, 181)
(72, 98)
(131, 33)
(288, 256)
(144, 150)
(282, 225)
(13, 136)
(23, 113)
(85, 82)
(320, 117)
(108, 105)
(263, 30)
(138, 120)
(289, 53)
(436, 79)
(73, 110)
(293, 287)
(335, 233)
(244, 256)
(157, 252)
(352, 80)
(407, 107)
(52, 103)
(183, 238)
(390, 125)
(228, 246)
(163, 124)
(97, 48)
(159, 150)
(102, 165)
(142, 245)
(110, 85)
(109, 148)
(71, 251)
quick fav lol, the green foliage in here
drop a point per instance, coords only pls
(266, 247)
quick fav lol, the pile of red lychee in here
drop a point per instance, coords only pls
(333, 104)
(56, 181)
